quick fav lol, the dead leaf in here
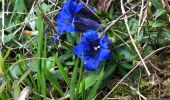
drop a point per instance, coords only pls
(24, 93)
(28, 32)
(104, 4)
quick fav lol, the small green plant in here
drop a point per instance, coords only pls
(72, 49)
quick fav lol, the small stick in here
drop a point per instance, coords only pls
(128, 29)
(134, 69)
(116, 20)
(3, 21)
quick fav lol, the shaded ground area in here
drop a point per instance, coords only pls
(155, 86)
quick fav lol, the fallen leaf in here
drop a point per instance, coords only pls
(24, 93)
(104, 4)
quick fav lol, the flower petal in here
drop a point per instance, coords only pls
(55, 36)
(104, 54)
(91, 35)
(67, 15)
(91, 63)
(81, 48)
(63, 21)
(84, 24)
(74, 7)
(104, 42)
(70, 28)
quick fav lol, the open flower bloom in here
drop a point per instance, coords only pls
(66, 17)
(93, 49)
(70, 19)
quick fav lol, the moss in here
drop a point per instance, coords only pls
(120, 91)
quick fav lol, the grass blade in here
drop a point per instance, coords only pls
(80, 78)
(73, 80)
(96, 86)
(43, 69)
(63, 72)
(83, 89)
(40, 53)
(53, 80)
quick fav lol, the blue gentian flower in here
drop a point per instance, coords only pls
(55, 36)
(70, 19)
(66, 17)
(93, 49)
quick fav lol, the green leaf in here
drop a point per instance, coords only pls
(46, 7)
(110, 69)
(8, 38)
(73, 80)
(3, 87)
(3, 69)
(18, 7)
(156, 4)
(53, 79)
(16, 89)
(83, 88)
(167, 35)
(127, 66)
(126, 54)
(61, 68)
(4, 96)
(158, 23)
(80, 78)
(96, 86)
(40, 71)
(89, 81)
(160, 12)
(24, 76)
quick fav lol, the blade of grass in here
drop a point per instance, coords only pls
(43, 69)
(3, 67)
(22, 67)
(24, 76)
(111, 69)
(22, 4)
(2, 61)
(73, 81)
(96, 86)
(61, 68)
(3, 90)
(83, 88)
(2, 87)
(40, 52)
(132, 40)
(29, 79)
(89, 81)
(80, 78)
(53, 80)
(4, 96)
(16, 89)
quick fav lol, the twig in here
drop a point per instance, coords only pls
(131, 38)
(132, 88)
(3, 20)
(52, 2)
(134, 69)
(93, 12)
(65, 97)
(154, 66)
(28, 21)
(142, 16)
(116, 20)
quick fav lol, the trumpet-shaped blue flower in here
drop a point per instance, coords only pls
(93, 49)
(69, 19)
(66, 17)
